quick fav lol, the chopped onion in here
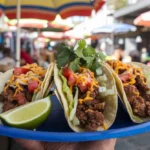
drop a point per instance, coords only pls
(102, 89)
(102, 78)
(110, 91)
(103, 84)
(99, 71)
(103, 92)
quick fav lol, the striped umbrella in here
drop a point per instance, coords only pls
(143, 19)
(46, 9)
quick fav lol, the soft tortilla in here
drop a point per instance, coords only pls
(4, 77)
(111, 102)
(122, 94)
(46, 84)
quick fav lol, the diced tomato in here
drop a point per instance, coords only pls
(66, 72)
(71, 80)
(83, 88)
(20, 97)
(19, 70)
(88, 82)
(32, 85)
(124, 77)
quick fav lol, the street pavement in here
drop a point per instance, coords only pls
(138, 142)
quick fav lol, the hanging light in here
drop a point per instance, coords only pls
(120, 41)
(138, 39)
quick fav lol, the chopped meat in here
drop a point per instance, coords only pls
(140, 85)
(148, 108)
(95, 92)
(131, 90)
(137, 97)
(81, 95)
(145, 96)
(8, 105)
(28, 96)
(90, 114)
(8, 94)
(83, 107)
(1, 98)
(95, 119)
(11, 100)
(136, 101)
(138, 105)
(99, 106)
(89, 119)
(21, 98)
(94, 105)
(91, 102)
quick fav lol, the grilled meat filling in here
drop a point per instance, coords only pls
(11, 101)
(90, 107)
(24, 82)
(135, 86)
(90, 112)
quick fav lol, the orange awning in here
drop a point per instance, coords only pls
(143, 19)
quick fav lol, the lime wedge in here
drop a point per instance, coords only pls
(28, 116)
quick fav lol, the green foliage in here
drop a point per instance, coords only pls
(80, 55)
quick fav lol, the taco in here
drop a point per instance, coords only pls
(24, 84)
(133, 80)
(89, 98)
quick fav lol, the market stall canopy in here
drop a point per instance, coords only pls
(143, 19)
(60, 23)
(48, 9)
(29, 23)
(57, 25)
(52, 35)
(60, 35)
(115, 28)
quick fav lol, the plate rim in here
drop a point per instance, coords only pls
(73, 136)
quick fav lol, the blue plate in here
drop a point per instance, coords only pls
(55, 128)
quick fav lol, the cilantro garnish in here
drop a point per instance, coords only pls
(80, 55)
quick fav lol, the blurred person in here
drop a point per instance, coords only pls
(118, 53)
(135, 55)
(35, 57)
(7, 62)
(43, 58)
(94, 43)
(90, 145)
(25, 57)
(1, 50)
(50, 55)
(148, 64)
(144, 55)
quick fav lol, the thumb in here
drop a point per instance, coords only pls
(30, 144)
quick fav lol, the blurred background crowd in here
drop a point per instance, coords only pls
(118, 28)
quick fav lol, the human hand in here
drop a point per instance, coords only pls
(93, 145)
